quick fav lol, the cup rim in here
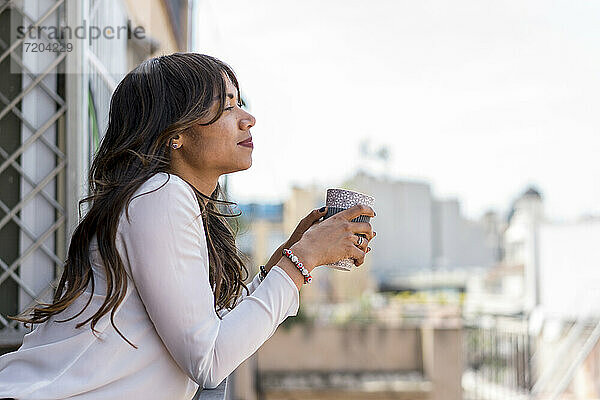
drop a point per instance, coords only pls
(353, 191)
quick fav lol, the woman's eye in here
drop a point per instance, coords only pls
(229, 108)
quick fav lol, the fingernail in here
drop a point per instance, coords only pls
(322, 209)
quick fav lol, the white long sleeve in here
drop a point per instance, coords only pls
(168, 312)
(169, 264)
(252, 285)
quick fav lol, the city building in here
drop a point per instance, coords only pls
(547, 281)
(419, 234)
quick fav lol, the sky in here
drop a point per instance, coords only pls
(479, 98)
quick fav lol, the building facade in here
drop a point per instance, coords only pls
(418, 233)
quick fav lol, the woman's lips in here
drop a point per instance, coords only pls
(247, 144)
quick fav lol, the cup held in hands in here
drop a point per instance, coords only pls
(340, 200)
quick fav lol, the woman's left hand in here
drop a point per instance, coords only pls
(313, 217)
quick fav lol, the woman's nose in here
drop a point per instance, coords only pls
(247, 122)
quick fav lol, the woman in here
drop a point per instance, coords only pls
(155, 252)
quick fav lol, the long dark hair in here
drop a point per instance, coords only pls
(162, 97)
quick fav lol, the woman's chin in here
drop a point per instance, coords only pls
(243, 167)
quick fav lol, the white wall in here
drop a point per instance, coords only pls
(458, 242)
(521, 243)
(446, 225)
(569, 257)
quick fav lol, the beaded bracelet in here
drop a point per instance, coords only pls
(263, 273)
(307, 277)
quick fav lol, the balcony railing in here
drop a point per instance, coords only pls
(217, 393)
(498, 360)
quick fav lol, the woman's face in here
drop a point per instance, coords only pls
(213, 150)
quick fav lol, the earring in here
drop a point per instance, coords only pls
(173, 144)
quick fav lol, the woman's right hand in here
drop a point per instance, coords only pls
(335, 239)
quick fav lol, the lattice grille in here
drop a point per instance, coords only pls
(32, 164)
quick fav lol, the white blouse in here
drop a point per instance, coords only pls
(167, 312)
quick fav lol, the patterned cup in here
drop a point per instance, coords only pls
(339, 200)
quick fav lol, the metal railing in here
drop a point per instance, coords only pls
(497, 360)
(218, 393)
(573, 350)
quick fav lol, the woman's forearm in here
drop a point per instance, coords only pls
(288, 266)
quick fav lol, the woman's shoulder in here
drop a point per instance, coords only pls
(163, 192)
(163, 184)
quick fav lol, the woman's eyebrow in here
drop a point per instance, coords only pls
(230, 95)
